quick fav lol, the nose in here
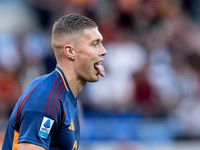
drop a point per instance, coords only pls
(103, 51)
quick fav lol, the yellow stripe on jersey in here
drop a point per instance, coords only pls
(75, 146)
(71, 127)
(15, 140)
(62, 79)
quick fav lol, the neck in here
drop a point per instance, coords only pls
(75, 84)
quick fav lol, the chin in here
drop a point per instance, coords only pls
(97, 78)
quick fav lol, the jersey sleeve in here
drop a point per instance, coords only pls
(36, 128)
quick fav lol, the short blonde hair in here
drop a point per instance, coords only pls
(72, 23)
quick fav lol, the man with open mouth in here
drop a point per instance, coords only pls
(46, 115)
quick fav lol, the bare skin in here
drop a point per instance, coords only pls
(29, 146)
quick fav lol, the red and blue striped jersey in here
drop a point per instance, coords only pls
(46, 115)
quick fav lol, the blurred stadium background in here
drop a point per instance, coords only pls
(150, 97)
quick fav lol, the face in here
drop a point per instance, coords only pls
(89, 52)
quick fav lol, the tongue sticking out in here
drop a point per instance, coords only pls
(100, 69)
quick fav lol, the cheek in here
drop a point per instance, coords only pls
(83, 64)
(86, 65)
(85, 59)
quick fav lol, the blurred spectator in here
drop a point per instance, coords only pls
(10, 62)
(10, 90)
(48, 11)
(34, 50)
(146, 102)
(193, 8)
(16, 17)
(10, 57)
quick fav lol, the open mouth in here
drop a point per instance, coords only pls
(100, 69)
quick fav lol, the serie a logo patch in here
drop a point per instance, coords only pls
(45, 127)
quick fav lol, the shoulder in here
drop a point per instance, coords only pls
(42, 92)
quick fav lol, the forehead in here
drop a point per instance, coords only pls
(92, 34)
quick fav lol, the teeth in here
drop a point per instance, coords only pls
(99, 63)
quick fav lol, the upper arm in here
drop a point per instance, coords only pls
(29, 146)
(33, 129)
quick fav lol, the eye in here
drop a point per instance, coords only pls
(95, 44)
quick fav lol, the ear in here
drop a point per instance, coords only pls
(69, 52)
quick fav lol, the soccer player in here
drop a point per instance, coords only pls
(46, 115)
